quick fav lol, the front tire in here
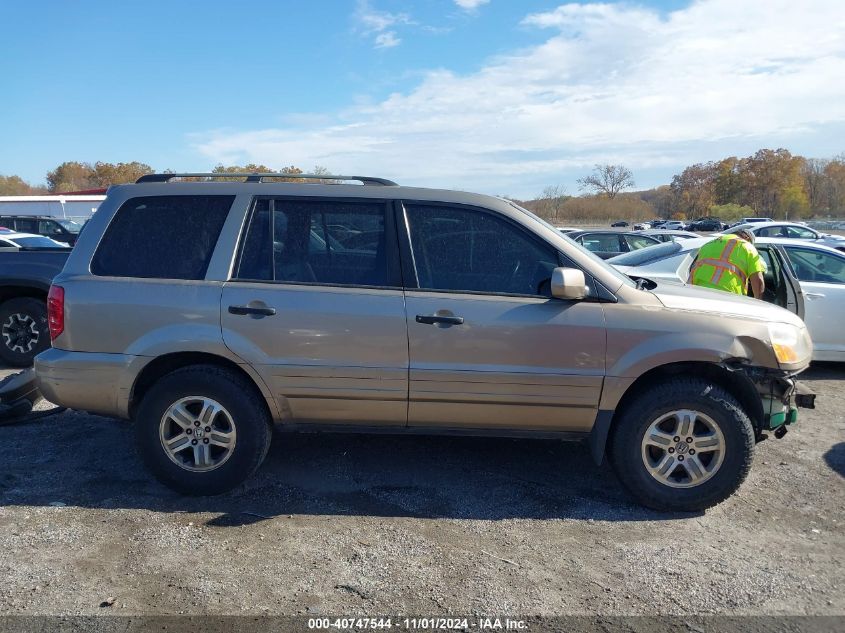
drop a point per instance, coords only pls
(202, 430)
(23, 330)
(684, 445)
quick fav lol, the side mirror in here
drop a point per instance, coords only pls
(568, 283)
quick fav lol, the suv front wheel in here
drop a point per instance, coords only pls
(684, 445)
(202, 430)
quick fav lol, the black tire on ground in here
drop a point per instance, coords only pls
(241, 400)
(626, 444)
(24, 332)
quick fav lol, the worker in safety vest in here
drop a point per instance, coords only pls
(730, 262)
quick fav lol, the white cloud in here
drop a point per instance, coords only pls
(387, 39)
(470, 5)
(611, 83)
(373, 22)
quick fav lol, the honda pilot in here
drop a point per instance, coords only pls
(211, 312)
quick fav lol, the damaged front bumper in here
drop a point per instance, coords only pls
(781, 396)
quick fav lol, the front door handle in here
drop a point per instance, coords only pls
(431, 319)
(241, 310)
(814, 295)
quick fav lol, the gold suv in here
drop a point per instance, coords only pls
(209, 311)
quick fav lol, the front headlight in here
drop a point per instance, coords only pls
(790, 343)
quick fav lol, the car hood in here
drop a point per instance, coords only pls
(682, 297)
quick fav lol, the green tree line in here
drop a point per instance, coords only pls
(770, 183)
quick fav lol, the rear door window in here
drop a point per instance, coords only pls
(601, 242)
(797, 233)
(636, 242)
(316, 241)
(26, 226)
(162, 237)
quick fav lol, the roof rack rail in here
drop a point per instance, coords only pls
(259, 177)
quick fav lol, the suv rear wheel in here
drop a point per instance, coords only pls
(683, 445)
(23, 330)
(202, 430)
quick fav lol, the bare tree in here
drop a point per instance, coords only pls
(551, 201)
(608, 180)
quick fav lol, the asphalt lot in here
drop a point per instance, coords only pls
(369, 525)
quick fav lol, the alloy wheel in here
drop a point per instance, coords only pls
(683, 448)
(197, 433)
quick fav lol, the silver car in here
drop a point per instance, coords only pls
(792, 231)
(805, 278)
(211, 312)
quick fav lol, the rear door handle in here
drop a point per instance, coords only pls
(252, 310)
(814, 295)
(431, 319)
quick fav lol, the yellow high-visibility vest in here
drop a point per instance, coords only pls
(726, 263)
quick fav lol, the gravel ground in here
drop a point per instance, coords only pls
(344, 524)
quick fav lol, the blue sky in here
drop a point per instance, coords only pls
(498, 96)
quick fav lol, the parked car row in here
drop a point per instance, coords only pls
(792, 231)
(704, 224)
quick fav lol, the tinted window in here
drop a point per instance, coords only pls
(48, 227)
(327, 242)
(70, 225)
(601, 242)
(812, 265)
(466, 250)
(26, 226)
(769, 231)
(165, 237)
(797, 232)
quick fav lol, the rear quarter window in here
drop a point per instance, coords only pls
(162, 237)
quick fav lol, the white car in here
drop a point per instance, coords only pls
(792, 231)
(674, 225)
(13, 239)
(807, 279)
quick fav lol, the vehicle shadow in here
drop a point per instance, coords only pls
(835, 458)
(88, 461)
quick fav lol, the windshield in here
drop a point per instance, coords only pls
(598, 260)
(38, 242)
(645, 255)
(70, 225)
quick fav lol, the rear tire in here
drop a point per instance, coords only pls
(23, 330)
(684, 445)
(202, 430)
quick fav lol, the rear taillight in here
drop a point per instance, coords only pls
(56, 311)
